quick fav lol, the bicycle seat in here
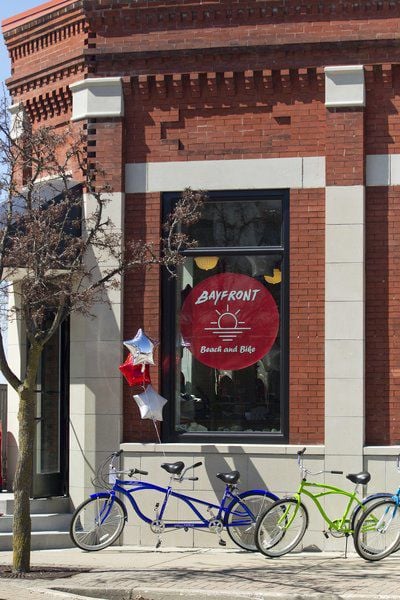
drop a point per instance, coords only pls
(175, 468)
(362, 477)
(229, 478)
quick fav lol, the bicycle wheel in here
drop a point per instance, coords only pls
(281, 528)
(97, 523)
(365, 504)
(377, 532)
(242, 516)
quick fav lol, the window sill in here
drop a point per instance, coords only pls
(215, 448)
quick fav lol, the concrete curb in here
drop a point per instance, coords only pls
(150, 593)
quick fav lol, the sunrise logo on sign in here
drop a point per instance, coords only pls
(228, 326)
(229, 321)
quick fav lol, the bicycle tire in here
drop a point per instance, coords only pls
(85, 531)
(239, 524)
(281, 528)
(365, 504)
(377, 532)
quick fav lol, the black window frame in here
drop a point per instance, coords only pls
(168, 324)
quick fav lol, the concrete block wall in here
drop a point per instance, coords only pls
(272, 466)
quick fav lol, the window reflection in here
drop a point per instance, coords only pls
(237, 223)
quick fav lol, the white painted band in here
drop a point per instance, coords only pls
(306, 172)
(383, 170)
(281, 173)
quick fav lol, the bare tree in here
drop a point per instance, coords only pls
(48, 240)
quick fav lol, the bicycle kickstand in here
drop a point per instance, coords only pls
(345, 547)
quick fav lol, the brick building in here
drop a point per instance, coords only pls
(286, 112)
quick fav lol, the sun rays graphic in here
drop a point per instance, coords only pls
(227, 327)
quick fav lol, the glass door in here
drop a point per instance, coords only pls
(50, 460)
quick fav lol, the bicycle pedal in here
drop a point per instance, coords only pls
(158, 544)
(222, 542)
(326, 534)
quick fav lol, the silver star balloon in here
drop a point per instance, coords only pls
(150, 404)
(141, 347)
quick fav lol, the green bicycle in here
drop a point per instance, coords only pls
(282, 526)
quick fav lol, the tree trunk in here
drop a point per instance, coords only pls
(24, 470)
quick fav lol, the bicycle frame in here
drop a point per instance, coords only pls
(337, 524)
(201, 522)
(375, 524)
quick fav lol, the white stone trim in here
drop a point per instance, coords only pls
(18, 123)
(97, 98)
(383, 170)
(203, 448)
(344, 205)
(344, 323)
(381, 450)
(96, 385)
(297, 172)
(344, 86)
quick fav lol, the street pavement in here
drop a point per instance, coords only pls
(130, 573)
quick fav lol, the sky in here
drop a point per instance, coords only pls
(8, 8)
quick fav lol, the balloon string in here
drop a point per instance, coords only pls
(155, 424)
(158, 435)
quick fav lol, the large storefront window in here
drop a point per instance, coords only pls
(225, 346)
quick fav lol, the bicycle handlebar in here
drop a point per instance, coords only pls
(182, 477)
(305, 471)
(136, 471)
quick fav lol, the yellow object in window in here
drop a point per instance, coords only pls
(206, 263)
(276, 277)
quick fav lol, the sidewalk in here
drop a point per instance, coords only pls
(205, 574)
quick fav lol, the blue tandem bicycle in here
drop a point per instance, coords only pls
(99, 521)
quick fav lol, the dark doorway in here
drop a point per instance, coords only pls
(50, 458)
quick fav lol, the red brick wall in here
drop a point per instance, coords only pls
(307, 301)
(141, 302)
(217, 80)
(381, 113)
(307, 272)
(191, 117)
(345, 160)
(383, 316)
(382, 384)
(191, 121)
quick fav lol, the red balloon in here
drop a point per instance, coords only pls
(134, 374)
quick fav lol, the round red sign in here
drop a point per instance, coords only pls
(229, 321)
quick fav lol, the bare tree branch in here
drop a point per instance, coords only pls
(61, 253)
